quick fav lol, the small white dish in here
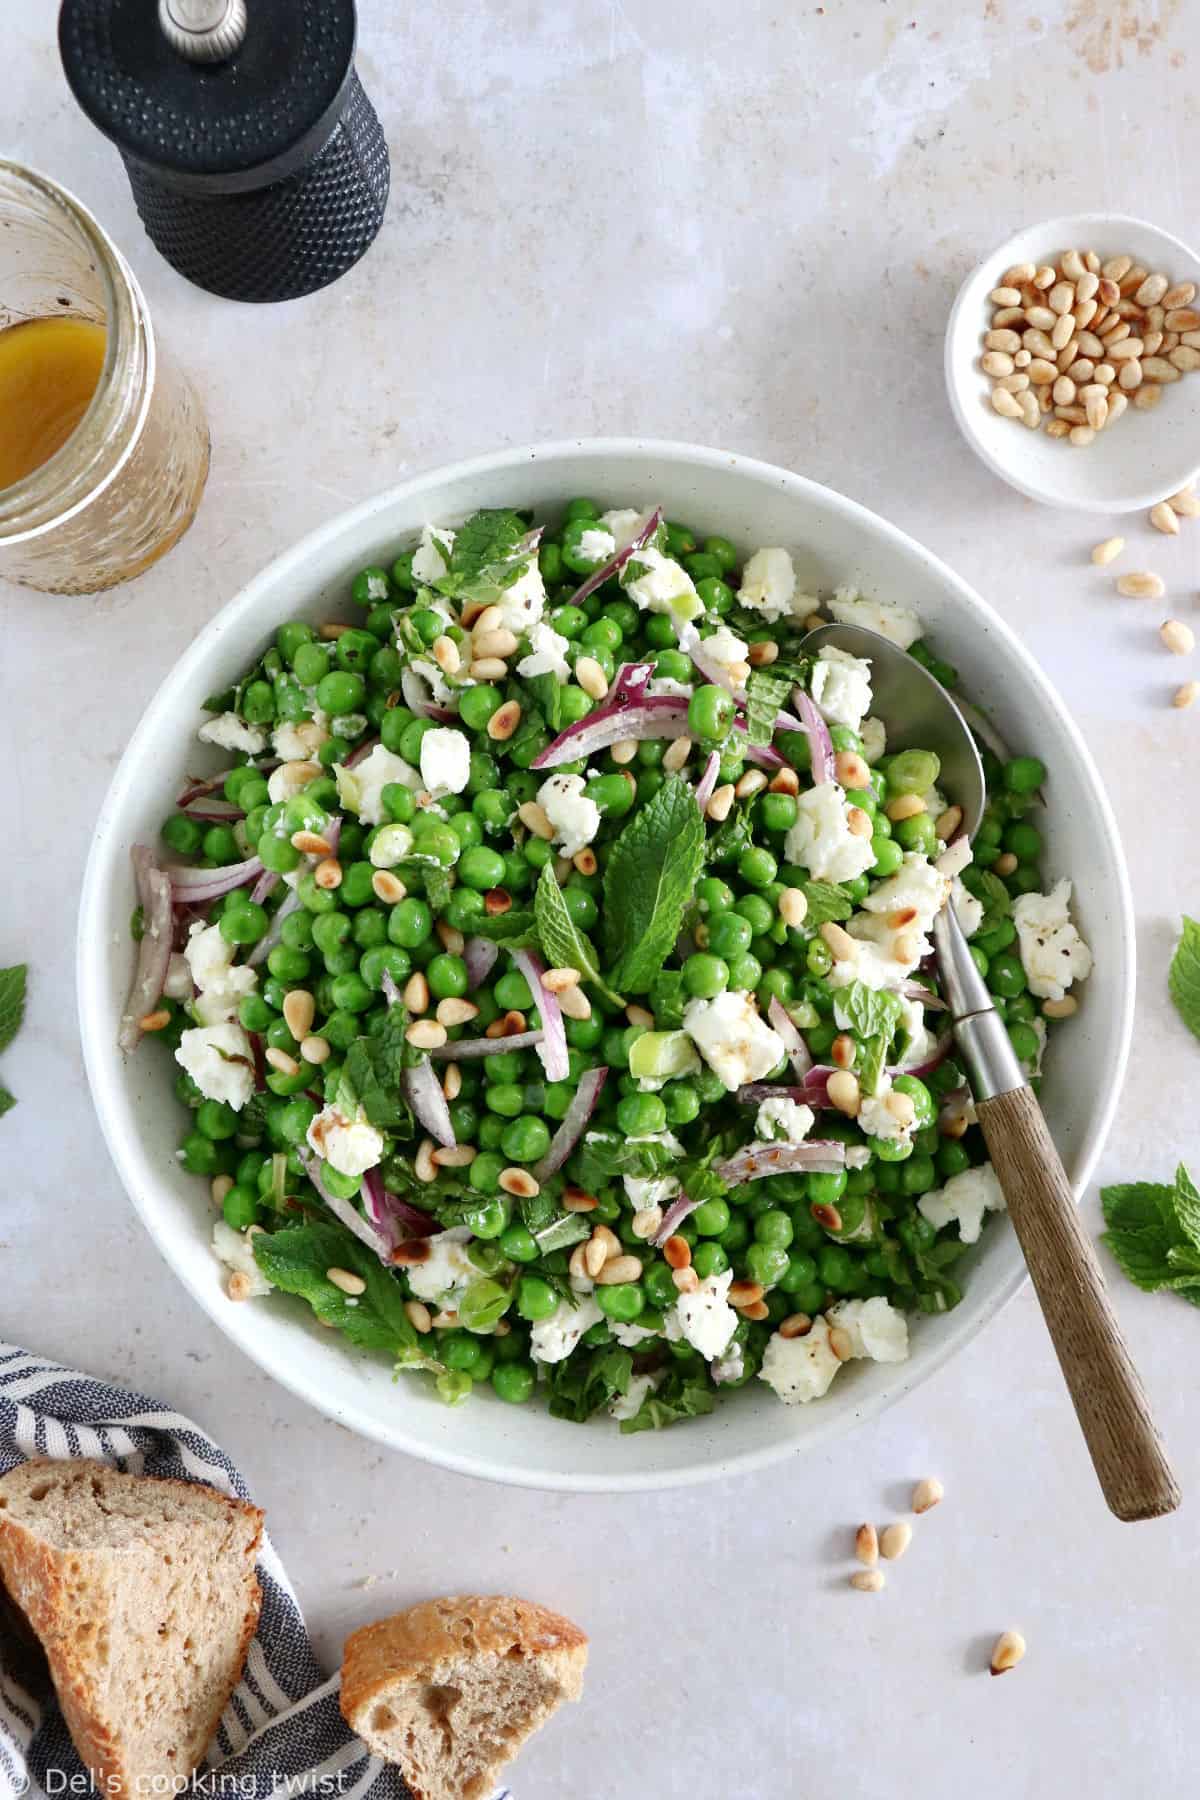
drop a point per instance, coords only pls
(1146, 455)
(835, 541)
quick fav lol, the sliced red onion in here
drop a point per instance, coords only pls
(582, 1106)
(813, 1090)
(821, 1156)
(914, 990)
(177, 983)
(708, 781)
(759, 753)
(198, 785)
(220, 811)
(266, 884)
(351, 1218)
(480, 955)
(393, 1218)
(358, 753)
(391, 992)
(629, 687)
(717, 673)
(260, 1064)
(194, 885)
(264, 946)
(154, 951)
(674, 1216)
(819, 740)
(417, 697)
(934, 1060)
(786, 1028)
(659, 716)
(616, 563)
(466, 1049)
(957, 1105)
(424, 1093)
(552, 1051)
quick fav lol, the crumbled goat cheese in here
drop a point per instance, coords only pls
(228, 732)
(874, 739)
(360, 789)
(629, 1404)
(875, 1328)
(624, 524)
(963, 1202)
(522, 604)
(547, 653)
(431, 558)
(769, 584)
(658, 584)
(967, 909)
(349, 1145)
(705, 1318)
(896, 623)
(299, 740)
(735, 1043)
(800, 1369)
(220, 986)
(785, 1121)
(552, 1339)
(1053, 954)
(821, 839)
(575, 818)
(237, 1253)
(445, 761)
(220, 1061)
(841, 686)
(447, 1270)
(596, 544)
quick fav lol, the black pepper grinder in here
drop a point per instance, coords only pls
(257, 163)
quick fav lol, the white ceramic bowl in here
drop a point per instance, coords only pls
(1146, 455)
(835, 541)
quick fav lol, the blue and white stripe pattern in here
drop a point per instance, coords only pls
(282, 1733)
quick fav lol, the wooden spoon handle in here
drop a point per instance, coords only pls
(1106, 1389)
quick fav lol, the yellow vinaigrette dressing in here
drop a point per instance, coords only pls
(49, 369)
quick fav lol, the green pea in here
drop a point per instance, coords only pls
(526, 1140)
(834, 1267)
(410, 923)
(1006, 976)
(464, 909)
(729, 935)
(716, 596)
(518, 1243)
(245, 923)
(710, 714)
(708, 1259)
(216, 1120)
(777, 812)
(713, 895)
(254, 1014)
(351, 993)
(705, 975)
(340, 692)
(514, 1382)
(913, 772)
(702, 567)
(918, 833)
(623, 1301)
(506, 1098)
(568, 621)
(888, 856)
(613, 794)
(579, 903)
(512, 991)
(765, 1263)
(220, 845)
(447, 977)
(722, 551)
(639, 1115)
(1025, 1041)
(381, 959)
(757, 867)
(711, 1218)
(536, 1299)
(1024, 774)
(288, 966)
(774, 1227)
(181, 834)
(199, 1155)
(745, 972)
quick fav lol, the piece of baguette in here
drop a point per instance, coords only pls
(144, 1597)
(451, 1689)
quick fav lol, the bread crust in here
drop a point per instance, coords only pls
(418, 1644)
(38, 1575)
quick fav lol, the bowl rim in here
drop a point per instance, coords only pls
(104, 1064)
(1063, 227)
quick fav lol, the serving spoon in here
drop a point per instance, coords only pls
(1110, 1402)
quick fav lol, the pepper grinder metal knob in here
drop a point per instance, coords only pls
(257, 163)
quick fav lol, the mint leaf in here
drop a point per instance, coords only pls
(516, 928)
(547, 692)
(871, 1063)
(1183, 977)
(296, 1261)
(868, 1012)
(1185, 1261)
(682, 1394)
(7, 1101)
(561, 1233)
(826, 900)
(767, 690)
(373, 1074)
(12, 1002)
(1187, 1207)
(489, 536)
(649, 879)
(582, 1384)
(731, 837)
(668, 999)
(438, 887)
(1138, 1206)
(1142, 1256)
(563, 944)
(604, 1156)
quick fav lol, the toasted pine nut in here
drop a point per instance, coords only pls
(591, 677)
(720, 804)
(948, 823)
(1004, 340)
(795, 1325)
(534, 819)
(1005, 403)
(1005, 296)
(752, 782)
(424, 1167)
(416, 992)
(676, 754)
(454, 1011)
(1182, 294)
(280, 1060)
(328, 873)
(1010, 1645)
(1060, 1009)
(346, 1280)
(1161, 369)
(388, 887)
(1183, 356)
(1116, 268)
(1163, 519)
(840, 942)
(498, 642)
(620, 1269)
(793, 907)
(895, 1539)
(1177, 637)
(757, 1310)
(639, 1015)
(511, 1025)
(1108, 551)
(744, 1293)
(677, 1252)
(238, 1286)
(452, 940)
(556, 980)
(219, 1187)
(576, 1267)
(426, 1034)
(763, 653)
(609, 1240)
(452, 1081)
(1057, 428)
(841, 1344)
(299, 1008)
(575, 1200)
(844, 1093)
(1005, 863)
(858, 823)
(927, 1494)
(574, 1003)
(489, 668)
(519, 1182)
(686, 1280)
(850, 769)
(585, 860)
(315, 1050)
(1141, 584)
(311, 843)
(827, 1215)
(905, 806)
(595, 1256)
(786, 781)
(646, 1221)
(866, 1540)
(1147, 398)
(445, 654)
(504, 721)
(1083, 434)
(446, 1318)
(843, 1051)
(625, 749)
(418, 1316)
(331, 632)
(158, 1020)
(868, 1581)
(1185, 695)
(1185, 504)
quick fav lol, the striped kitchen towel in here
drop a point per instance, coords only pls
(282, 1733)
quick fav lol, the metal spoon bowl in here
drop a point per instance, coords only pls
(1109, 1400)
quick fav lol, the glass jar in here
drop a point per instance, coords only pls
(125, 485)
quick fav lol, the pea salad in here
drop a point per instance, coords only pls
(549, 973)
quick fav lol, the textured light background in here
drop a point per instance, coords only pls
(740, 225)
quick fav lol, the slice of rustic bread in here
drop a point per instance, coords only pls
(451, 1689)
(144, 1597)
